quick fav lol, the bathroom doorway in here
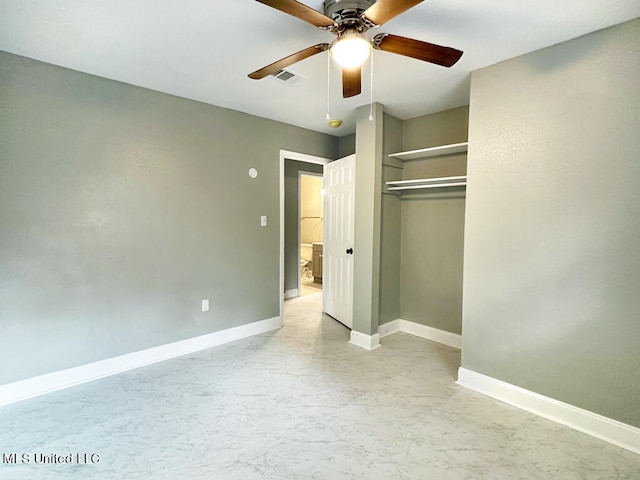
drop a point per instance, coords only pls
(310, 232)
(291, 165)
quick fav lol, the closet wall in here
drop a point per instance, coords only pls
(425, 227)
(391, 214)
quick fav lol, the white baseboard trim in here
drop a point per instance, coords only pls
(51, 382)
(604, 428)
(434, 334)
(294, 293)
(389, 328)
(362, 340)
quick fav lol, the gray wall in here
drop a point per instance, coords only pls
(346, 145)
(367, 228)
(390, 246)
(291, 216)
(442, 128)
(432, 225)
(121, 209)
(552, 263)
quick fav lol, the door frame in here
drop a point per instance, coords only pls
(300, 157)
(300, 174)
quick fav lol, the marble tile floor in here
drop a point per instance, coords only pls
(298, 403)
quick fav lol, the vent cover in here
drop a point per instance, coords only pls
(287, 77)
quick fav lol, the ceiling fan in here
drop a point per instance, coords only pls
(349, 20)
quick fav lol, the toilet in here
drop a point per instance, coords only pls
(306, 252)
(306, 256)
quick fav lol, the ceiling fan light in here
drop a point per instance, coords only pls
(351, 50)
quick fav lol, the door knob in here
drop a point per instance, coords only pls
(349, 251)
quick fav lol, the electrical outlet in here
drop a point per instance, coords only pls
(205, 305)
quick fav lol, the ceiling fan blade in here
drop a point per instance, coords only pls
(384, 10)
(301, 11)
(428, 52)
(290, 60)
(351, 82)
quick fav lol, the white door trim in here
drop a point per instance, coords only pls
(300, 157)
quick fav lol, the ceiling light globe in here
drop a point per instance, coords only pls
(351, 50)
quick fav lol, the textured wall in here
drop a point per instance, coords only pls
(121, 209)
(552, 258)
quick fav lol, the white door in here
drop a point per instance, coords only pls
(339, 213)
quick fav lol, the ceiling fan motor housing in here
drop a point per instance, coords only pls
(347, 13)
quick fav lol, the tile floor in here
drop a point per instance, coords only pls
(298, 403)
(309, 287)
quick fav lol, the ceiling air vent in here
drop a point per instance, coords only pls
(286, 77)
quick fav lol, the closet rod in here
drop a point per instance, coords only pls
(428, 180)
(430, 185)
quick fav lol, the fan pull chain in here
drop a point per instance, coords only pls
(371, 92)
(328, 116)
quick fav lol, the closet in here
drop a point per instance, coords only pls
(429, 182)
(430, 185)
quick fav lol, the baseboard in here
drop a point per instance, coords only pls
(294, 293)
(362, 340)
(51, 382)
(612, 431)
(389, 328)
(434, 334)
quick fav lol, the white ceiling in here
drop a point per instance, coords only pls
(204, 49)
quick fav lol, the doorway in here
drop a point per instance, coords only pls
(310, 232)
(289, 236)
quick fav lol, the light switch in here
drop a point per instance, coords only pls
(263, 221)
(205, 305)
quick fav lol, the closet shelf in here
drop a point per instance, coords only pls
(423, 183)
(431, 152)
